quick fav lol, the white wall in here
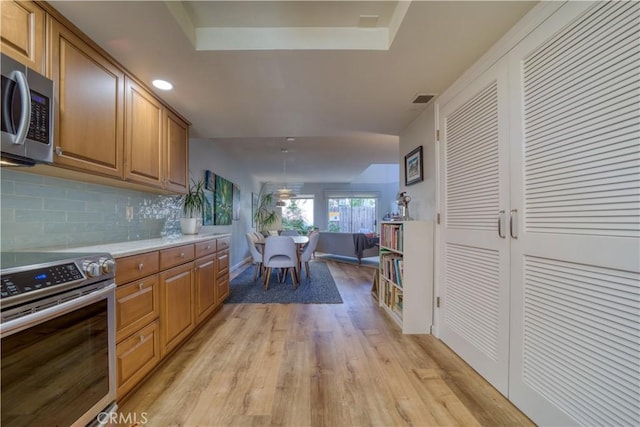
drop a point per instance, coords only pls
(203, 155)
(422, 131)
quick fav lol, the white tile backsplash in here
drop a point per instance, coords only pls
(42, 212)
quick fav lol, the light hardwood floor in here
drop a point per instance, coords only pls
(317, 365)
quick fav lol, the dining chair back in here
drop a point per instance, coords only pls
(280, 252)
(255, 255)
(309, 249)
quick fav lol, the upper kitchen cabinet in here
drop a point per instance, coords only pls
(22, 33)
(89, 118)
(144, 139)
(177, 164)
(156, 141)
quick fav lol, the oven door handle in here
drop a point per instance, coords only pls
(24, 322)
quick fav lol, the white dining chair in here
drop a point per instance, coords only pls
(280, 252)
(309, 249)
(256, 256)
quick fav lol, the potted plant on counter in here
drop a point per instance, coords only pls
(192, 206)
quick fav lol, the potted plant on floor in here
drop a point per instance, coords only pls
(265, 215)
(192, 206)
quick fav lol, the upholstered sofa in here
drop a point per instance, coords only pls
(355, 245)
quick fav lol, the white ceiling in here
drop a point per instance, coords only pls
(339, 76)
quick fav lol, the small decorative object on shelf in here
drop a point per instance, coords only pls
(403, 200)
(406, 267)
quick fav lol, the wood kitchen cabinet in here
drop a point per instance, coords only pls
(177, 153)
(205, 287)
(156, 141)
(177, 313)
(23, 33)
(222, 270)
(137, 319)
(161, 297)
(89, 96)
(206, 273)
(136, 356)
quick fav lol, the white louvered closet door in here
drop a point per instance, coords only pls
(474, 294)
(575, 341)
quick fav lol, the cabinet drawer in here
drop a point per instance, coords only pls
(223, 263)
(222, 289)
(205, 248)
(136, 356)
(222, 243)
(137, 304)
(176, 256)
(136, 266)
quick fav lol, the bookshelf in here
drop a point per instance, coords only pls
(405, 288)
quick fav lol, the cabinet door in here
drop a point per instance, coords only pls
(90, 98)
(474, 313)
(177, 154)
(22, 32)
(222, 279)
(137, 304)
(575, 182)
(205, 284)
(136, 356)
(143, 136)
(176, 316)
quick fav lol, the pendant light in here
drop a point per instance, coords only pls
(284, 193)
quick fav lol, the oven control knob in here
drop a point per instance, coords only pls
(108, 265)
(92, 268)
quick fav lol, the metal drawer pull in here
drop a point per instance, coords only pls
(500, 217)
(141, 338)
(141, 285)
(140, 266)
(181, 254)
(511, 215)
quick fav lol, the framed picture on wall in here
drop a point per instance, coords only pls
(236, 202)
(254, 209)
(222, 201)
(413, 167)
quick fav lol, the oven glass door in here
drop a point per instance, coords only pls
(53, 373)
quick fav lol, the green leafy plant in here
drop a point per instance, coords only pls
(193, 202)
(265, 215)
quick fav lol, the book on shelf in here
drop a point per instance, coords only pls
(391, 267)
(392, 236)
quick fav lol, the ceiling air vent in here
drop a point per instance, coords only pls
(422, 98)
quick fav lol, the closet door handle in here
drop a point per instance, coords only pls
(514, 212)
(500, 218)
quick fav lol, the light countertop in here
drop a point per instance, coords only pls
(134, 247)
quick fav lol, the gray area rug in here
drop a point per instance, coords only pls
(320, 289)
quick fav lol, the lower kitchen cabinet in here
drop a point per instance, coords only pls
(136, 357)
(161, 297)
(205, 283)
(177, 314)
(137, 304)
(222, 277)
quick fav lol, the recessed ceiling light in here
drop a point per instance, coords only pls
(290, 139)
(162, 84)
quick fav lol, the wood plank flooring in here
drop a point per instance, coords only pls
(317, 365)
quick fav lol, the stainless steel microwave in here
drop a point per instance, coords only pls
(27, 115)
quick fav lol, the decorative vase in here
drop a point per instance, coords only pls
(190, 225)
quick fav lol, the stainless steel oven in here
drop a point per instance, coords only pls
(58, 338)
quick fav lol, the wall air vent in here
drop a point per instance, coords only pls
(422, 98)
